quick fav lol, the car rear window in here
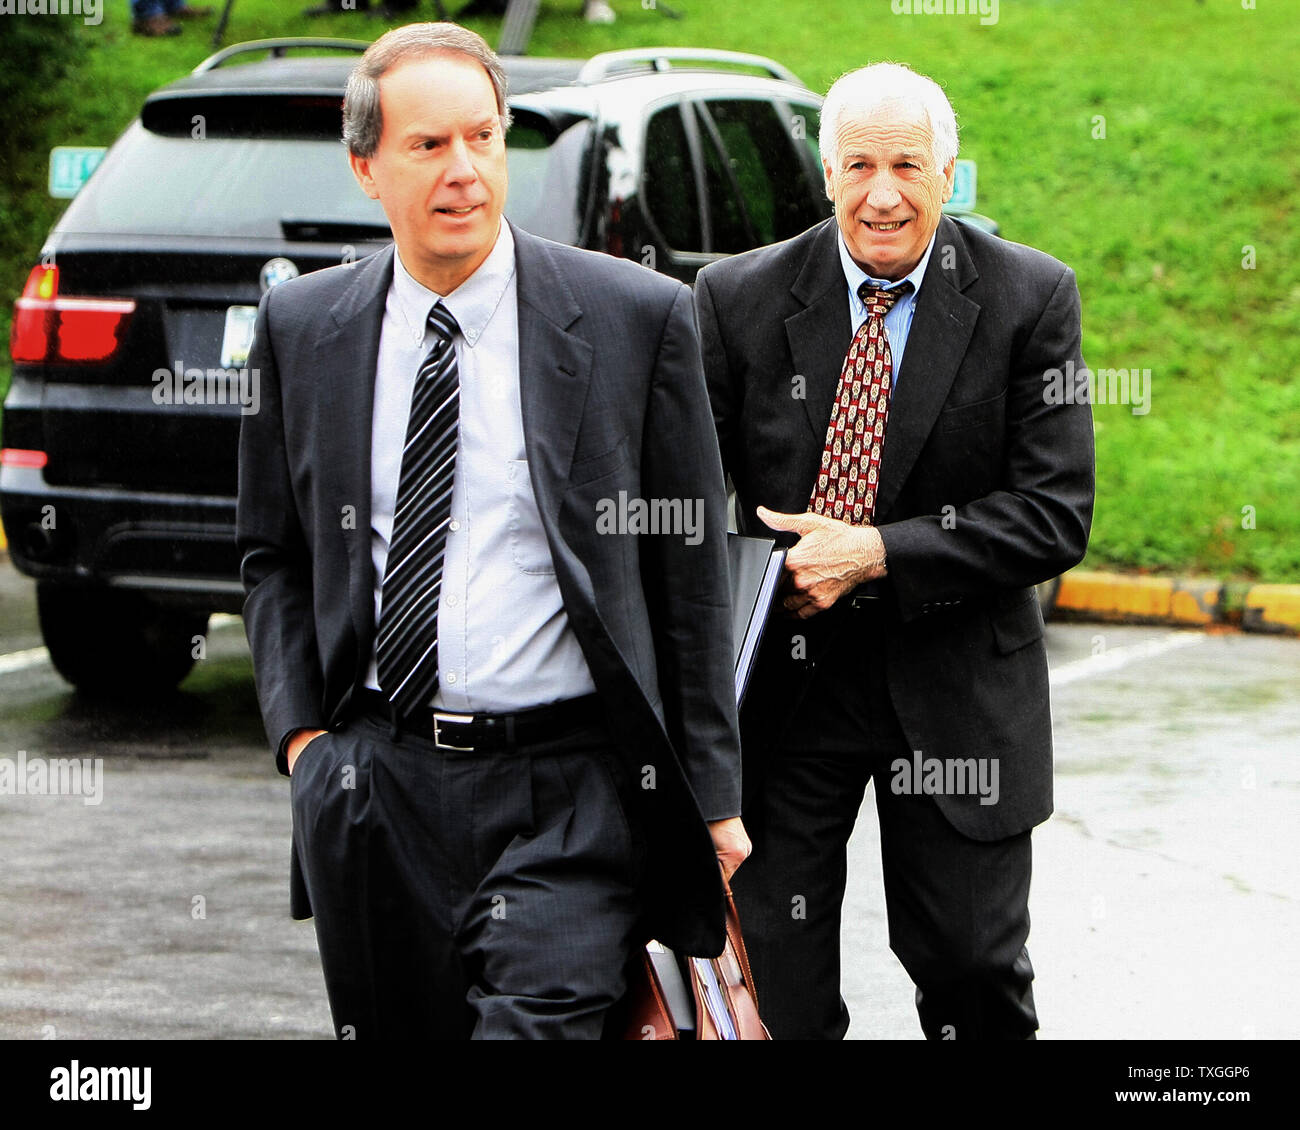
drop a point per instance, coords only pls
(201, 173)
(150, 184)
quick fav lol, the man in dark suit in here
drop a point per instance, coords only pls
(878, 386)
(507, 720)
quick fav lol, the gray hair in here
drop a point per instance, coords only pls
(363, 120)
(866, 89)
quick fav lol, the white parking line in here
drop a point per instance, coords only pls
(35, 656)
(21, 660)
(1113, 658)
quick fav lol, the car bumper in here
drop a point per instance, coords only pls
(179, 549)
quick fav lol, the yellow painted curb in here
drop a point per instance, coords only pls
(1113, 596)
(1272, 608)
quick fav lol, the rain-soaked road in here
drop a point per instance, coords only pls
(1165, 886)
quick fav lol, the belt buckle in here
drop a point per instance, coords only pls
(455, 719)
(862, 600)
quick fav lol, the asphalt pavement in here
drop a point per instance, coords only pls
(154, 903)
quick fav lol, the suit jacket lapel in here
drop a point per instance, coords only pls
(349, 360)
(554, 372)
(820, 333)
(941, 330)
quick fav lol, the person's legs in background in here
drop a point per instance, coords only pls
(156, 18)
(149, 18)
(179, 10)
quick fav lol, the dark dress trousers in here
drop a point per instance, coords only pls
(986, 488)
(613, 400)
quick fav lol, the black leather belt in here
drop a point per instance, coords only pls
(488, 733)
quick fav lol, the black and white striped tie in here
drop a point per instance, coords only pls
(407, 642)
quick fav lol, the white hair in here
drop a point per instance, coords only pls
(868, 88)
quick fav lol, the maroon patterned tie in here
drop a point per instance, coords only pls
(850, 470)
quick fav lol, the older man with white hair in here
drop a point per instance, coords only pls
(878, 389)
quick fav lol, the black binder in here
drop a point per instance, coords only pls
(755, 565)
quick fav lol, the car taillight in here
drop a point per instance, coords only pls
(48, 327)
(18, 457)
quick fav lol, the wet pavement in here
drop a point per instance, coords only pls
(1164, 898)
(1165, 886)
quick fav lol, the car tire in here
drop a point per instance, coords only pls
(108, 643)
(1047, 594)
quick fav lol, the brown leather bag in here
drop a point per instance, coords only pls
(722, 1003)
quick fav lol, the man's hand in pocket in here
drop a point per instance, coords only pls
(300, 741)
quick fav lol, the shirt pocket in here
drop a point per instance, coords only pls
(528, 548)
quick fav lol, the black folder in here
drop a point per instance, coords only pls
(755, 565)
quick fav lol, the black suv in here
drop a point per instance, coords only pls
(118, 469)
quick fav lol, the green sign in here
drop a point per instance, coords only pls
(70, 166)
(963, 188)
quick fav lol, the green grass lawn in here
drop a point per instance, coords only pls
(1199, 105)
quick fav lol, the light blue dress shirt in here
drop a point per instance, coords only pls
(898, 322)
(504, 639)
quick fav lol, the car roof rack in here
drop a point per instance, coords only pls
(662, 59)
(277, 48)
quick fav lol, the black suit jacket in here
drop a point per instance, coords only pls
(613, 400)
(986, 488)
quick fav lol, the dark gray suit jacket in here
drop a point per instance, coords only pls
(986, 488)
(613, 400)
